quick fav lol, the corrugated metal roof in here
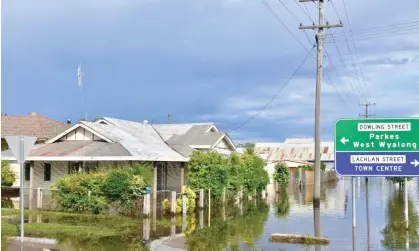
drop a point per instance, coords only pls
(137, 138)
(298, 149)
(168, 130)
(209, 138)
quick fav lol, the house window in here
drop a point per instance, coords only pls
(47, 172)
(27, 172)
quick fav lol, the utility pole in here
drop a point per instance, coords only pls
(319, 40)
(366, 115)
(169, 118)
(367, 105)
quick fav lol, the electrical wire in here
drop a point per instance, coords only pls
(356, 51)
(276, 95)
(283, 24)
(337, 75)
(298, 20)
(345, 67)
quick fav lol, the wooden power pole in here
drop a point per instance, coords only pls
(319, 40)
(367, 105)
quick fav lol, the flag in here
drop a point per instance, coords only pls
(80, 76)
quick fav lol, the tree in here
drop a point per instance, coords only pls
(250, 148)
(282, 174)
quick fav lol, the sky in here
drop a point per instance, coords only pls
(215, 61)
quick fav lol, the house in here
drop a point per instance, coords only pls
(112, 143)
(294, 152)
(33, 124)
(185, 138)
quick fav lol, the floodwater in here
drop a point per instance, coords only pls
(249, 226)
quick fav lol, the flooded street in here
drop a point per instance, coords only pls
(249, 227)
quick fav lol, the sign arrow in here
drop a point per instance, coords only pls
(415, 163)
(344, 140)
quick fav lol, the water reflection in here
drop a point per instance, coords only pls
(235, 233)
(394, 233)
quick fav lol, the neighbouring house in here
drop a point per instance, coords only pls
(295, 152)
(113, 143)
(185, 138)
(33, 124)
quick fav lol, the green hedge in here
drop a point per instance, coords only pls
(118, 188)
(211, 170)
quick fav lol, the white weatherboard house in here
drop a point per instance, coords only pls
(110, 142)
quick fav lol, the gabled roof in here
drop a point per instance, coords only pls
(121, 140)
(31, 125)
(183, 138)
(169, 130)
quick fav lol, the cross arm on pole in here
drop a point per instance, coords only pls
(320, 26)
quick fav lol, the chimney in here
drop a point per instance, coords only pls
(145, 122)
(33, 114)
(68, 121)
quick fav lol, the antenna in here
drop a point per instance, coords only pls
(169, 118)
(80, 80)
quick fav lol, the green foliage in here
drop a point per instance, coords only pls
(250, 148)
(7, 174)
(7, 203)
(207, 171)
(310, 167)
(254, 173)
(190, 203)
(398, 180)
(117, 187)
(282, 174)
(215, 171)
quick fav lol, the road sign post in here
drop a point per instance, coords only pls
(381, 147)
(21, 146)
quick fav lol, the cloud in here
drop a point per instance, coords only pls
(210, 60)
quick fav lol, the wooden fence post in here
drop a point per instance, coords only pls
(184, 204)
(173, 204)
(224, 195)
(39, 198)
(146, 205)
(201, 198)
(241, 193)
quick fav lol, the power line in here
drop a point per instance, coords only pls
(378, 32)
(337, 75)
(306, 13)
(276, 95)
(298, 20)
(356, 51)
(345, 68)
(377, 35)
(283, 24)
(387, 27)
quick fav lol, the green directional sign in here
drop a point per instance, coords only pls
(376, 135)
(377, 147)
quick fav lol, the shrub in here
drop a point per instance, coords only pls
(8, 177)
(254, 173)
(282, 174)
(215, 171)
(117, 187)
(207, 170)
(309, 167)
(190, 202)
(73, 190)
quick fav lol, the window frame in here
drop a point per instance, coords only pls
(47, 174)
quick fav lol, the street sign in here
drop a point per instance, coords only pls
(377, 147)
(20, 152)
(21, 146)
